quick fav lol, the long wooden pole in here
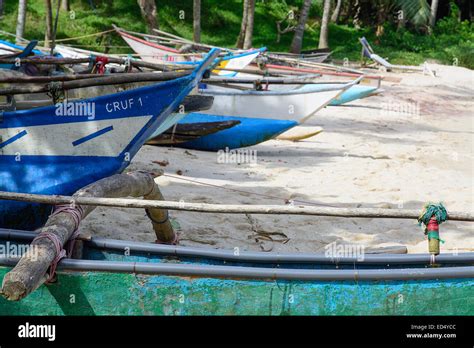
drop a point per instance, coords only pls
(146, 76)
(99, 81)
(232, 208)
(323, 72)
(69, 61)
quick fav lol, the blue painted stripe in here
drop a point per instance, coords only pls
(92, 136)
(13, 138)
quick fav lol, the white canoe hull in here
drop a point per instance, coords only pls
(274, 105)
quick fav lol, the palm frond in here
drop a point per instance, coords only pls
(416, 12)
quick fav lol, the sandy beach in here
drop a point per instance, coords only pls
(410, 144)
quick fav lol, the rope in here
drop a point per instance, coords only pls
(55, 91)
(436, 210)
(83, 36)
(77, 214)
(287, 201)
(60, 252)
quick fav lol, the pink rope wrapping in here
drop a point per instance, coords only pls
(77, 214)
(175, 241)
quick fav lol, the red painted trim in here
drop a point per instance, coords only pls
(323, 72)
(151, 44)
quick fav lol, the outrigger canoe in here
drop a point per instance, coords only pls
(248, 132)
(173, 280)
(185, 132)
(42, 151)
(291, 104)
(155, 53)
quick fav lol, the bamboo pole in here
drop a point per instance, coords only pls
(103, 80)
(232, 208)
(146, 76)
(286, 81)
(70, 61)
(30, 271)
(301, 62)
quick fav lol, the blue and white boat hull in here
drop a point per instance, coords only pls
(46, 153)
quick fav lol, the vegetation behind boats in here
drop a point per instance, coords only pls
(451, 38)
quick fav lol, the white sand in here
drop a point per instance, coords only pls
(365, 157)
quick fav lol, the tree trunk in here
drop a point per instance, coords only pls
(48, 35)
(1, 8)
(243, 25)
(20, 25)
(65, 5)
(323, 35)
(434, 10)
(148, 10)
(299, 32)
(337, 10)
(249, 28)
(197, 21)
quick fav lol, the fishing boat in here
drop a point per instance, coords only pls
(52, 150)
(9, 50)
(248, 131)
(185, 132)
(314, 56)
(290, 104)
(155, 53)
(155, 279)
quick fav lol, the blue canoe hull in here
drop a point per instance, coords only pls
(250, 131)
(44, 153)
(353, 93)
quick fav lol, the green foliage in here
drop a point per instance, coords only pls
(451, 41)
(416, 12)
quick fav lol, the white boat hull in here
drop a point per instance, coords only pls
(277, 105)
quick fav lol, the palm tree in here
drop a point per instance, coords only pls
(299, 31)
(417, 12)
(197, 21)
(337, 10)
(20, 24)
(148, 10)
(323, 35)
(243, 25)
(250, 22)
(65, 5)
(434, 9)
(48, 35)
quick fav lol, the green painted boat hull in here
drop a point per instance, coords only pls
(102, 293)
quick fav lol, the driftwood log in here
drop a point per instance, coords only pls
(30, 272)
